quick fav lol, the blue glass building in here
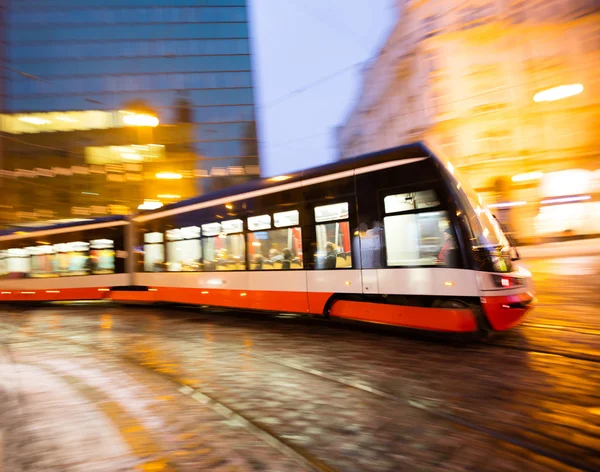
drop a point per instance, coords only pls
(189, 60)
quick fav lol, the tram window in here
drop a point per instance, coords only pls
(42, 261)
(3, 266)
(154, 252)
(336, 211)
(184, 251)
(224, 252)
(72, 259)
(275, 249)
(333, 239)
(333, 246)
(420, 239)
(102, 256)
(260, 222)
(18, 263)
(410, 201)
(287, 218)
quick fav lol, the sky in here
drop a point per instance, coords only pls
(295, 43)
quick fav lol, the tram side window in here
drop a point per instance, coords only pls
(333, 237)
(72, 259)
(154, 252)
(17, 263)
(102, 256)
(416, 235)
(43, 261)
(223, 246)
(275, 249)
(184, 249)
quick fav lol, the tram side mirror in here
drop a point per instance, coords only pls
(514, 254)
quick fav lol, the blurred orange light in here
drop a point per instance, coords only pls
(169, 176)
(135, 119)
(279, 178)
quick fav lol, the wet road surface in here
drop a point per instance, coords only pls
(106, 388)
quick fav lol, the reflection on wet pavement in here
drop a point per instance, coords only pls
(114, 388)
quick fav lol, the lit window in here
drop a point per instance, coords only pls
(287, 218)
(410, 201)
(232, 226)
(256, 223)
(336, 211)
(276, 249)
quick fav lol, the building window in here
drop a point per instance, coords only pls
(333, 237)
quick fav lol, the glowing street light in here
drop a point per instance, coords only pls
(558, 93)
(168, 176)
(150, 205)
(138, 119)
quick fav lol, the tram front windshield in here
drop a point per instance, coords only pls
(490, 246)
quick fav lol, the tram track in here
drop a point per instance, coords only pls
(302, 456)
(266, 434)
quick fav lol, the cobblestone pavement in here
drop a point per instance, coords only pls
(104, 388)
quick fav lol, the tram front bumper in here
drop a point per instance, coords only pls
(507, 311)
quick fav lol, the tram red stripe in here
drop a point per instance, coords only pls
(437, 319)
(87, 293)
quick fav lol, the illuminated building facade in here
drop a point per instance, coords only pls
(473, 79)
(187, 62)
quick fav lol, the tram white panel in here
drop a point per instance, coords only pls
(490, 289)
(370, 283)
(56, 283)
(339, 281)
(424, 281)
(215, 280)
(278, 281)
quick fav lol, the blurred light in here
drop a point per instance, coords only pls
(243, 294)
(104, 289)
(348, 282)
(279, 178)
(449, 284)
(27, 293)
(135, 119)
(558, 93)
(229, 206)
(20, 232)
(34, 120)
(507, 204)
(168, 195)
(505, 282)
(156, 145)
(66, 118)
(256, 244)
(451, 168)
(204, 292)
(90, 193)
(150, 205)
(566, 199)
(153, 290)
(527, 176)
(42, 242)
(52, 291)
(214, 282)
(6, 293)
(168, 176)
(131, 156)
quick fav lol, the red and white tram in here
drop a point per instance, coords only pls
(393, 237)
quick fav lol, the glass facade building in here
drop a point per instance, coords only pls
(187, 60)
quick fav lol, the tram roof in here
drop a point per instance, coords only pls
(50, 225)
(408, 151)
